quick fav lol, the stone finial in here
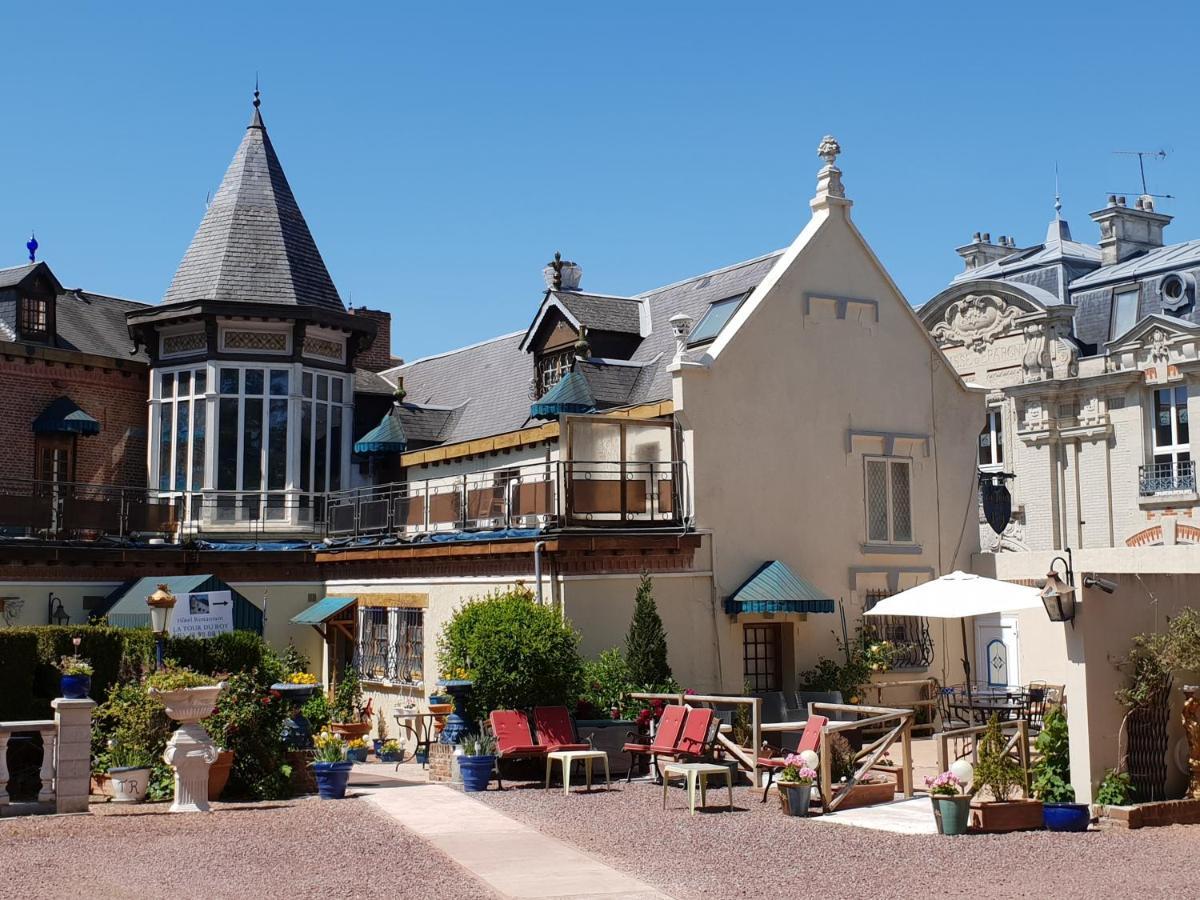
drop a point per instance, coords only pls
(583, 350)
(681, 327)
(562, 274)
(829, 179)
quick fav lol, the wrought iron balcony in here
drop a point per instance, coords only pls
(555, 493)
(1167, 477)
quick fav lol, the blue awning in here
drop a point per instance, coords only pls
(776, 588)
(64, 417)
(322, 611)
(386, 437)
(572, 394)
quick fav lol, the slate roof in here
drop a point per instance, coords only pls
(1057, 248)
(602, 313)
(94, 323)
(1161, 259)
(253, 243)
(427, 424)
(487, 384)
(369, 382)
(15, 275)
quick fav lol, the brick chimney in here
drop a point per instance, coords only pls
(379, 356)
(1127, 231)
(982, 251)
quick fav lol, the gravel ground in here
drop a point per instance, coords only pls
(297, 849)
(756, 851)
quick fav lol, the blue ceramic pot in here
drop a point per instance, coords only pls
(332, 778)
(359, 755)
(75, 687)
(1066, 816)
(476, 772)
(388, 757)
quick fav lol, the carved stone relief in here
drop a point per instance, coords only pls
(975, 321)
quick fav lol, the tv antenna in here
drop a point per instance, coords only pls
(1160, 155)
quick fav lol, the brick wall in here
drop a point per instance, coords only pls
(116, 399)
(379, 357)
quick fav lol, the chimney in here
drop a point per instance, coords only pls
(379, 356)
(982, 251)
(1127, 231)
(562, 274)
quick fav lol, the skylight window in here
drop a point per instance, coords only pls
(711, 323)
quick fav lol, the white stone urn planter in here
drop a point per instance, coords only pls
(190, 751)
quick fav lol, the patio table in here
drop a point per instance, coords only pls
(567, 758)
(419, 726)
(696, 774)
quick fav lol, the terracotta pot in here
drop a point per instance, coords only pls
(218, 774)
(350, 730)
(1010, 815)
(869, 793)
(302, 781)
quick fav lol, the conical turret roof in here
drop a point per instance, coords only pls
(253, 244)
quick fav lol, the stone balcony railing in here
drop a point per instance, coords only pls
(66, 767)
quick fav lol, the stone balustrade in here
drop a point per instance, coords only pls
(66, 768)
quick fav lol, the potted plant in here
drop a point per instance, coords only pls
(951, 805)
(356, 750)
(381, 730)
(128, 772)
(795, 785)
(75, 682)
(1052, 778)
(477, 761)
(1003, 776)
(346, 713)
(188, 697)
(330, 766)
(389, 751)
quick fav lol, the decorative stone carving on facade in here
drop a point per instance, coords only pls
(975, 321)
(1156, 346)
(189, 342)
(269, 341)
(318, 346)
(829, 179)
(1147, 537)
(1064, 355)
(1011, 541)
(1033, 415)
(1036, 363)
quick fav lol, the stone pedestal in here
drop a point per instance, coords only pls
(73, 772)
(191, 753)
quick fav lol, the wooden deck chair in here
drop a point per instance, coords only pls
(555, 730)
(670, 728)
(514, 739)
(810, 739)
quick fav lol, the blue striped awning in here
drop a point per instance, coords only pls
(64, 417)
(776, 588)
(572, 394)
(322, 611)
(386, 437)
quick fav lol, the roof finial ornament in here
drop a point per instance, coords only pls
(257, 102)
(256, 119)
(829, 179)
(1057, 195)
(557, 266)
(32, 245)
(583, 349)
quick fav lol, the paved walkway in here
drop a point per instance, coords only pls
(913, 816)
(513, 859)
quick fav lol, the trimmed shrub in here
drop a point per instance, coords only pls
(519, 654)
(646, 643)
(18, 660)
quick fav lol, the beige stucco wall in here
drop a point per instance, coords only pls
(33, 599)
(279, 602)
(768, 415)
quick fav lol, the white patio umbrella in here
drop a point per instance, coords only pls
(959, 595)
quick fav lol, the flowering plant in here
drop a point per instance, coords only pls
(328, 747)
(301, 678)
(73, 665)
(390, 747)
(796, 772)
(357, 744)
(458, 673)
(944, 785)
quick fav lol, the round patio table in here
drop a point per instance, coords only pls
(419, 726)
(982, 708)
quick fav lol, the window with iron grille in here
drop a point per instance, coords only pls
(908, 634)
(391, 644)
(551, 367)
(34, 317)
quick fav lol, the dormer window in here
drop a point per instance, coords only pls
(711, 323)
(551, 367)
(34, 318)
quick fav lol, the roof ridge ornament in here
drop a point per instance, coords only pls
(829, 179)
(256, 119)
(32, 246)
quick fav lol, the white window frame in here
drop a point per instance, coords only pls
(1118, 293)
(995, 429)
(1175, 448)
(890, 463)
(168, 406)
(414, 617)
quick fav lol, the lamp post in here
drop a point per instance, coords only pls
(59, 616)
(1058, 596)
(161, 604)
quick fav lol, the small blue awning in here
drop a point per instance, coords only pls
(386, 437)
(572, 394)
(322, 611)
(64, 417)
(776, 588)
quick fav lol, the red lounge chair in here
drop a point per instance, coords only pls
(555, 730)
(514, 740)
(809, 740)
(698, 735)
(670, 729)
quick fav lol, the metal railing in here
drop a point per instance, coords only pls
(554, 493)
(1166, 477)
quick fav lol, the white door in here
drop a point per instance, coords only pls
(997, 652)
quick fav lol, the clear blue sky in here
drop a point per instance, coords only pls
(441, 153)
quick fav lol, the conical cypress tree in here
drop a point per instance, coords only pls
(646, 643)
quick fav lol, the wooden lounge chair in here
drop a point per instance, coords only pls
(670, 729)
(514, 739)
(810, 739)
(555, 730)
